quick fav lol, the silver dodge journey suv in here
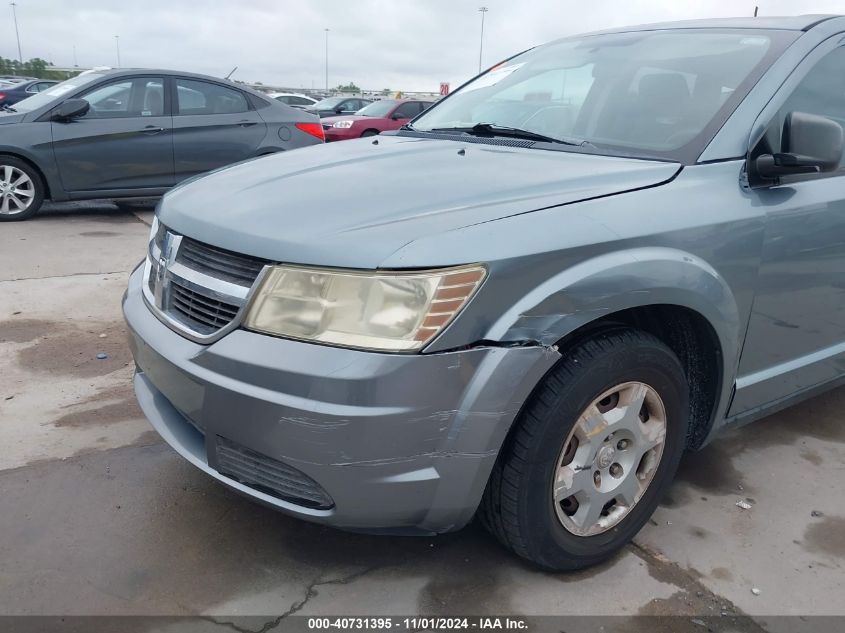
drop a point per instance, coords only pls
(526, 304)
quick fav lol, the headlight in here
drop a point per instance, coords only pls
(343, 124)
(367, 310)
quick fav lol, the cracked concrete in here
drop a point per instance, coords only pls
(98, 517)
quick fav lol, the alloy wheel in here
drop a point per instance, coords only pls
(609, 458)
(17, 190)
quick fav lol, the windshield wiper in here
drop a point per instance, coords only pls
(8, 108)
(493, 130)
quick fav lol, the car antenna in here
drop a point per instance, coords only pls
(232, 73)
(755, 11)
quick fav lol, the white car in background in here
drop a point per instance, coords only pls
(293, 99)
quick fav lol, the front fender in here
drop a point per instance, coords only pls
(618, 281)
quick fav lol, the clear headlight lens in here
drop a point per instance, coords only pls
(367, 310)
(343, 124)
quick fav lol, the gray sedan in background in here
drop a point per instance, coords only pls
(135, 133)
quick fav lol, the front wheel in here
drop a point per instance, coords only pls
(592, 453)
(21, 190)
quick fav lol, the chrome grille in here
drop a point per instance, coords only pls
(218, 262)
(269, 475)
(197, 289)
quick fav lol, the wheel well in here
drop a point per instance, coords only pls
(368, 130)
(37, 169)
(694, 341)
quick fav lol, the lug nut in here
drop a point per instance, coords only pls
(616, 470)
(622, 445)
(597, 478)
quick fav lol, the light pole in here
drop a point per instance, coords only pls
(117, 47)
(17, 34)
(483, 10)
(327, 61)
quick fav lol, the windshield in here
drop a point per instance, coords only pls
(377, 108)
(331, 102)
(651, 93)
(55, 93)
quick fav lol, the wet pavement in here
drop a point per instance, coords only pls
(97, 516)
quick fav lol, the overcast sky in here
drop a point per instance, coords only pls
(396, 44)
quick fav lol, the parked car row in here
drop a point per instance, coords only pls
(130, 133)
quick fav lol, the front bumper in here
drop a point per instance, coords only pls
(401, 443)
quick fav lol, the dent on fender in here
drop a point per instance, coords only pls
(619, 281)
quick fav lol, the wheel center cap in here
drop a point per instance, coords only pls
(606, 456)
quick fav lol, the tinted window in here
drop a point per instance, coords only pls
(299, 101)
(821, 92)
(127, 98)
(202, 97)
(407, 110)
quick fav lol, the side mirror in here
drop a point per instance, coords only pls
(71, 109)
(339, 109)
(810, 144)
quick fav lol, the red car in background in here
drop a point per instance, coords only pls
(388, 114)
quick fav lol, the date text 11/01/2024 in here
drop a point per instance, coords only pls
(418, 623)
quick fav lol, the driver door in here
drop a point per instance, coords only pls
(123, 142)
(796, 333)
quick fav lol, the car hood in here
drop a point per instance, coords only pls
(11, 117)
(352, 204)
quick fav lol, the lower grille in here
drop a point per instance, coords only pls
(201, 312)
(269, 475)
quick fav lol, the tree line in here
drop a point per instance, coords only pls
(35, 67)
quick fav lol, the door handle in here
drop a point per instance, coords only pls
(150, 130)
(247, 123)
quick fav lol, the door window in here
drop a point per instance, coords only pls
(139, 97)
(202, 97)
(407, 110)
(821, 92)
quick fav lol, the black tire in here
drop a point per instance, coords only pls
(369, 133)
(517, 506)
(38, 188)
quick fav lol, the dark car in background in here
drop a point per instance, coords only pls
(379, 116)
(338, 105)
(13, 92)
(135, 133)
